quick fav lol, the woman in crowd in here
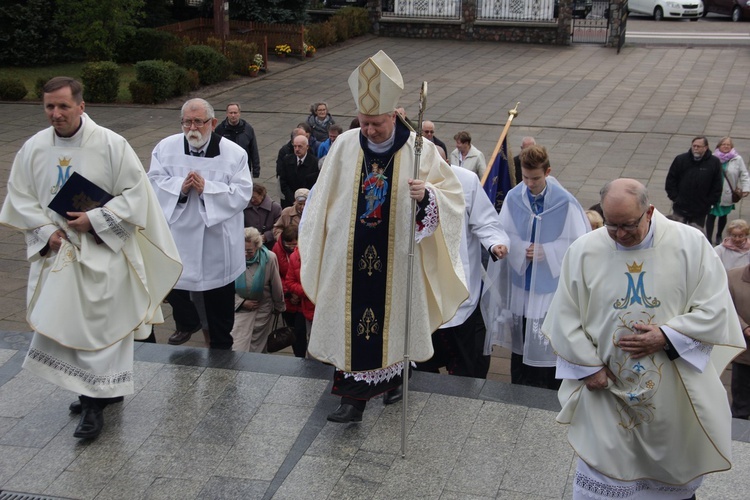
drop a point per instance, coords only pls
(259, 295)
(285, 246)
(735, 177)
(293, 285)
(290, 216)
(320, 121)
(262, 213)
(734, 251)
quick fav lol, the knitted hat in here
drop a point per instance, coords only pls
(376, 85)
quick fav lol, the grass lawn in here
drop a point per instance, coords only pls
(29, 76)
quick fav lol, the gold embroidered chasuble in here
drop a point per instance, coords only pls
(661, 419)
(335, 212)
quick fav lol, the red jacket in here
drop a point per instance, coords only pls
(283, 257)
(293, 284)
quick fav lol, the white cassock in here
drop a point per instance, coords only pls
(208, 228)
(88, 301)
(662, 424)
(481, 228)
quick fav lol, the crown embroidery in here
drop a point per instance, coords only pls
(635, 268)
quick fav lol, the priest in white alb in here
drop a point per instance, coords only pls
(98, 274)
(354, 240)
(643, 325)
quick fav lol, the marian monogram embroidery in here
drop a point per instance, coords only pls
(368, 325)
(636, 293)
(63, 172)
(370, 261)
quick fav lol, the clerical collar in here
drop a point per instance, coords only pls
(383, 146)
(647, 242)
(74, 140)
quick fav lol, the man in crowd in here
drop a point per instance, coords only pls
(643, 325)
(428, 131)
(325, 146)
(694, 183)
(240, 132)
(466, 155)
(203, 184)
(98, 273)
(459, 344)
(542, 219)
(354, 240)
(298, 170)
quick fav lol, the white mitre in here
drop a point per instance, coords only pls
(376, 85)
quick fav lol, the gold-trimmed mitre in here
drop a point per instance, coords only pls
(376, 85)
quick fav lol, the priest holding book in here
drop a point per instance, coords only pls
(98, 271)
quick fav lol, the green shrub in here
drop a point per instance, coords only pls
(148, 43)
(39, 85)
(321, 34)
(240, 55)
(101, 81)
(179, 77)
(358, 20)
(212, 66)
(194, 81)
(341, 26)
(12, 89)
(158, 76)
(141, 93)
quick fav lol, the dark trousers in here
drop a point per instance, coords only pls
(535, 376)
(710, 219)
(297, 321)
(219, 305)
(740, 390)
(460, 349)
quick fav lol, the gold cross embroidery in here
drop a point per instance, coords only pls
(368, 324)
(370, 261)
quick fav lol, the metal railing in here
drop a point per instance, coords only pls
(428, 9)
(515, 10)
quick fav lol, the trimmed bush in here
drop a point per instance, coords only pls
(321, 35)
(240, 55)
(179, 77)
(194, 81)
(358, 20)
(142, 93)
(148, 43)
(158, 76)
(101, 81)
(39, 86)
(212, 67)
(12, 89)
(341, 26)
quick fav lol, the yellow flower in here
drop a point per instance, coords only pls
(283, 49)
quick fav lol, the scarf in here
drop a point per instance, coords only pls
(725, 157)
(255, 292)
(728, 243)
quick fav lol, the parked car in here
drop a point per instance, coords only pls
(738, 9)
(659, 9)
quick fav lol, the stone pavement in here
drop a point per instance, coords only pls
(224, 425)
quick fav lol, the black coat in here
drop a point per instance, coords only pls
(292, 177)
(694, 186)
(244, 135)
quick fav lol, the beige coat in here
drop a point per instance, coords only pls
(739, 288)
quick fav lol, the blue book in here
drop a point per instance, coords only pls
(79, 194)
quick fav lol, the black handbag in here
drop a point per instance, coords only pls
(736, 192)
(280, 337)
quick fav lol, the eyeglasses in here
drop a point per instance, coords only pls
(197, 123)
(428, 132)
(613, 228)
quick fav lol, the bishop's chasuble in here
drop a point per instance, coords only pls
(87, 301)
(353, 242)
(660, 420)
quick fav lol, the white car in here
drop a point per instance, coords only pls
(686, 9)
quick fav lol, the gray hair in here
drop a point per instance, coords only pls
(200, 102)
(252, 235)
(636, 190)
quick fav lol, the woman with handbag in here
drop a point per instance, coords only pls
(259, 295)
(736, 187)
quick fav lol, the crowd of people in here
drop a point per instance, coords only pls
(636, 353)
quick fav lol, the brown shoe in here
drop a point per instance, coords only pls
(179, 337)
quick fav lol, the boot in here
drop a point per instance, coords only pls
(92, 419)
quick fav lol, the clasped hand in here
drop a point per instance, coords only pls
(193, 181)
(648, 341)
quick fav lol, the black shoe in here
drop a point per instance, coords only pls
(76, 407)
(345, 414)
(179, 337)
(91, 424)
(393, 396)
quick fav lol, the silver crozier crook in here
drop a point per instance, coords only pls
(410, 268)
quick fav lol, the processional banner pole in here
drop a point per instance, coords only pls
(410, 269)
(512, 113)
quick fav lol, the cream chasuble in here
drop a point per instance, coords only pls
(661, 419)
(326, 244)
(89, 296)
